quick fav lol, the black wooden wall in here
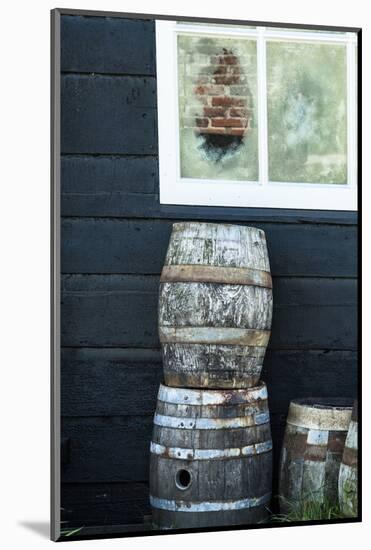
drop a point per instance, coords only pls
(114, 239)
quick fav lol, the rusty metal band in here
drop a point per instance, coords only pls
(213, 506)
(184, 423)
(185, 396)
(350, 457)
(212, 335)
(216, 274)
(313, 418)
(180, 453)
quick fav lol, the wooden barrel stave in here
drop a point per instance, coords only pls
(220, 305)
(226, 245)
(189, 520)
(204, 365)
(348, 473)
(311, 452)
(230, 468)
(228, 479)
(215, 306)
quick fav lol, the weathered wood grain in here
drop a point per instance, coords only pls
(215, 305)
(215, 300)
(311, 452)
(107, 45)
(196, 315)
(104, 503)
(105, 114)
(203, 473)
(348, 473)
(217, 244)
(90, 374)
(139, 246)
(209, 364)
(121, 311)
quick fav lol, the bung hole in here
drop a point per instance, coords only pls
(183, 479)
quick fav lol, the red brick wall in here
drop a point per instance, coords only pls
(221, 88)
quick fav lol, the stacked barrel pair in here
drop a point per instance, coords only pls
(211, 450)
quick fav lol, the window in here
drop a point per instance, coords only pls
(256, 116)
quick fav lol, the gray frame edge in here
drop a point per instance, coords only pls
(133, 15)
(55, 161)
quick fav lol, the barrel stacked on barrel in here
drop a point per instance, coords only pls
(211, 450)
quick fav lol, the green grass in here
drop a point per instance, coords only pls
(307, 510)
(70, 532)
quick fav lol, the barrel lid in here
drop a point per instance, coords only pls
(185, 396)
(320, 413)
(181, 226)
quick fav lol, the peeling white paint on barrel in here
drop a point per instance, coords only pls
(348, 474)
(312, 449)
(211, 457)
(215, 305)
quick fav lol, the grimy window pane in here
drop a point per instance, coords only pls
(218, 108)
(307, 109)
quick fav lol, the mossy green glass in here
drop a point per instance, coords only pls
(307, 112)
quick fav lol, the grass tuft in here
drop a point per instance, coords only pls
(307, 510)
(70, 532)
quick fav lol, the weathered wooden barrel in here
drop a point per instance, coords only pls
(348, 474)
(215, 306)
(211, 457)
(312, 450)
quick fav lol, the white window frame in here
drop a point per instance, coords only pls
(264, 194)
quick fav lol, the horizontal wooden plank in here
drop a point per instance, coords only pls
(122, 204)
(124, 382)
(110, 449)
(132, 205)
(116, 449)
(121, 311)
(93, 245)
(103, 449)
(104, 177)
(110, 283)
(108, 114)
(107, 45)
(98, 315)
(249, 215)
(310, 373)
(109, 382)
(109, 186)
(103, 504)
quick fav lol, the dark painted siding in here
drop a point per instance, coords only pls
(114, 239)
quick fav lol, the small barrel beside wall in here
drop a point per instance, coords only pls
(215, 306)
(211, 458)
(312, 450)
(348, 474)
